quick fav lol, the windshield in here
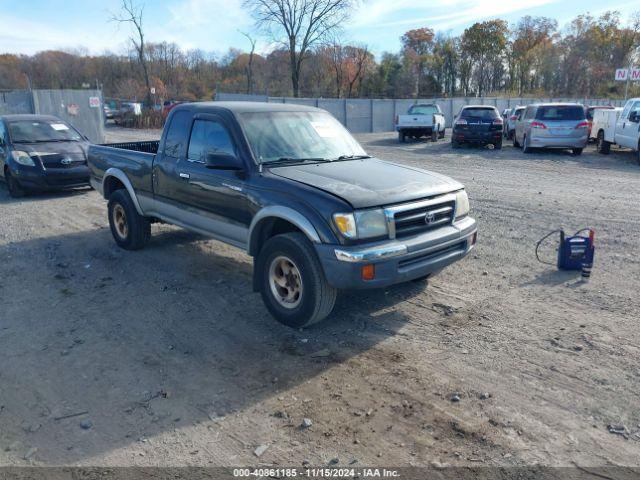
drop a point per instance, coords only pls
(276, 136)
(560, 112)
(479, 113)
(29, 131)
(423, 110)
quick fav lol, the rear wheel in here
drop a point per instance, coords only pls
(292, 282)
(603, 146)
(525, 145)
(13, 186)
(515, 141)
(577, 151)
(401, 136)
(434, 135)
(455, 143)
(498, 145)
(442, 133)
(130, 230)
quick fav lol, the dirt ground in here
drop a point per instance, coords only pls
(166, 357)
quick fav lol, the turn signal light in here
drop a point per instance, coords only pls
(368, 272)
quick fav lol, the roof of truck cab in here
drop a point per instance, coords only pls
(17, 117)
(246, 107)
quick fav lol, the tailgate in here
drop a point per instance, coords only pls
(415, 120)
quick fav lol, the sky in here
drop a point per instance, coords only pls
(215, 25)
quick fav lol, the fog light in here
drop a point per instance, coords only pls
(368, 272)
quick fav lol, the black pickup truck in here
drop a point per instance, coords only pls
(293, 188)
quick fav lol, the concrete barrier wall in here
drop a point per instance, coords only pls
(378, 115)
(72, 106)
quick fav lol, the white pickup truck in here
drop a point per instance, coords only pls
(619, 127)
(421, 120)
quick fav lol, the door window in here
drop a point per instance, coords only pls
(625, 112)
(208, 136)
(176, 138)
(529, 113)
(634, 108)
(3, 136)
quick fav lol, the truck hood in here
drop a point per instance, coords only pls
(369, 182)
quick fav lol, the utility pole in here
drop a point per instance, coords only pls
(631, 59)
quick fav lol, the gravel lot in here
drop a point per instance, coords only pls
(166, 357)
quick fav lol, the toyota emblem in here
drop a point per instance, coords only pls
(429, 218)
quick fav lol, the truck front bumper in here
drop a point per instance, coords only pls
(398, 260)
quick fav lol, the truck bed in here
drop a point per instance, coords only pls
(134, 158)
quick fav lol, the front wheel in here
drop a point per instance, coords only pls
(434, 135)
(130, 230)
(577, 151)
(401, 137)
(292, 282)
(15, 189)
(498, 145)
(442, 133)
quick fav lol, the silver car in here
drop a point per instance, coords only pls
(552, 125)
(510, 122)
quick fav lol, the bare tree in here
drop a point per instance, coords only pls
(249, 69)
(131, 12)
(299, 24)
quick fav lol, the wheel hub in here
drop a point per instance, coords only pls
(120, 221)
(285, 282)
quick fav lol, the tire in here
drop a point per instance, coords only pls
(130, 230)
(434, 135)
(401, 137)
(315, 298)
(13, 186)
(498, 145)
(455, 144)
(525, 148)
(638, 154)
(602, 146)
(515, 141)
(576, 151)
(442, 133)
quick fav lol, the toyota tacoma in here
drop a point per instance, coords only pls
(292, 187)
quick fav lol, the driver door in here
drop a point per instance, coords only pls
(217, 197)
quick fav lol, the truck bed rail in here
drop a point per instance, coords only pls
(150, 146)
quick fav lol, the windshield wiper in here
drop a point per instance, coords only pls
(352, 157)
(282, 160)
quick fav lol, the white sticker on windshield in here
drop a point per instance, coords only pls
(59, 126)
(325, 130)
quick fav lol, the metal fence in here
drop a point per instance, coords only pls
(378, 115)
(80, 108)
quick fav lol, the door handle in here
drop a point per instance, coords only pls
(185, 175)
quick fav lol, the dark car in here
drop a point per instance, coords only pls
(479, 124)
(41, 152)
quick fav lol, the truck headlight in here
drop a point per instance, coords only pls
(361, 224)
(371, 223)
(462, 204)
(23, 158)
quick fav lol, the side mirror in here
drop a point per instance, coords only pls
(223, 161)
(634, 116)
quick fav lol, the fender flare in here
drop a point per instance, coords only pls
(284, 213)
(120, 175)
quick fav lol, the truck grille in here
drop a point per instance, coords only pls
(419, 217)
